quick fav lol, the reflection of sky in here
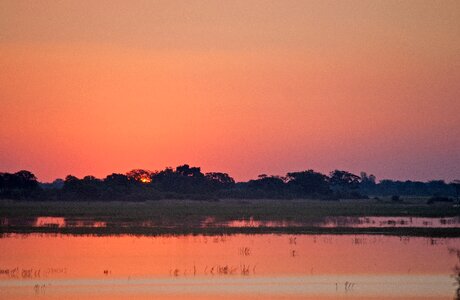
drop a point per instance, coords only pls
(250, 265)
(266, 254)
(287, 287)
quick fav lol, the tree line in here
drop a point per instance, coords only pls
(186, 182)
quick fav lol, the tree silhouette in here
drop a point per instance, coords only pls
(18, 185)
(187, 182)
(309, 182)
(456, 185)
(115, 179)
(186, 170)
(344, 180)
(140, 175)
(219, 180)
(269, 183)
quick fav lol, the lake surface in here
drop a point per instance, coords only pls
(266, 266)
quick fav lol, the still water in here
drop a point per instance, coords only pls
(46, 266)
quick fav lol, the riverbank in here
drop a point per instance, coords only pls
(230, 217)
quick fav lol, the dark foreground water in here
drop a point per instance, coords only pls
(268, 266)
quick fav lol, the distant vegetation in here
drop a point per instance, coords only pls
(185, 182)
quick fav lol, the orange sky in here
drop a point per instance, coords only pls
(244, 87)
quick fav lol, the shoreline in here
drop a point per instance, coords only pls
(187, 217)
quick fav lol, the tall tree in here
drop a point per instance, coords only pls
(344, 180)
(309, 182)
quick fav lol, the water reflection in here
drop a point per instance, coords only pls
(236, 266)
(350, 222)
(381, 222)
(212, 222)
(51, 222)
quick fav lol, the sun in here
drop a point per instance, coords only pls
(145, 180)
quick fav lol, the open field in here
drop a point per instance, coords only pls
(187, 217)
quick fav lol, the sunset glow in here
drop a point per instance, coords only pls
(146, 180)
(245, 87)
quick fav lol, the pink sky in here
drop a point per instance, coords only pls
(244, 87)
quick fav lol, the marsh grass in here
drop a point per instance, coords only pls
(186, 216)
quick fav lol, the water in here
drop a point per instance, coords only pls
(208, 222)
(351, 222)
(54, 266)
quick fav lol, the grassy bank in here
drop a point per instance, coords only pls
(185, 217)
(227, 209)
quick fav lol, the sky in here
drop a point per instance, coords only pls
(244, 87)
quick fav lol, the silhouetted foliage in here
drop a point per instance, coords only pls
(388, 187)
(456, 185)
(217, 180)
(140, 175)
(187, 171)
(344, 180)
(267, 187)
(345, 184)
(186, 182)
(22, 184)
(308, 183)
(117, 180)
(88, 188)
(56, 184)
(269, 183)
